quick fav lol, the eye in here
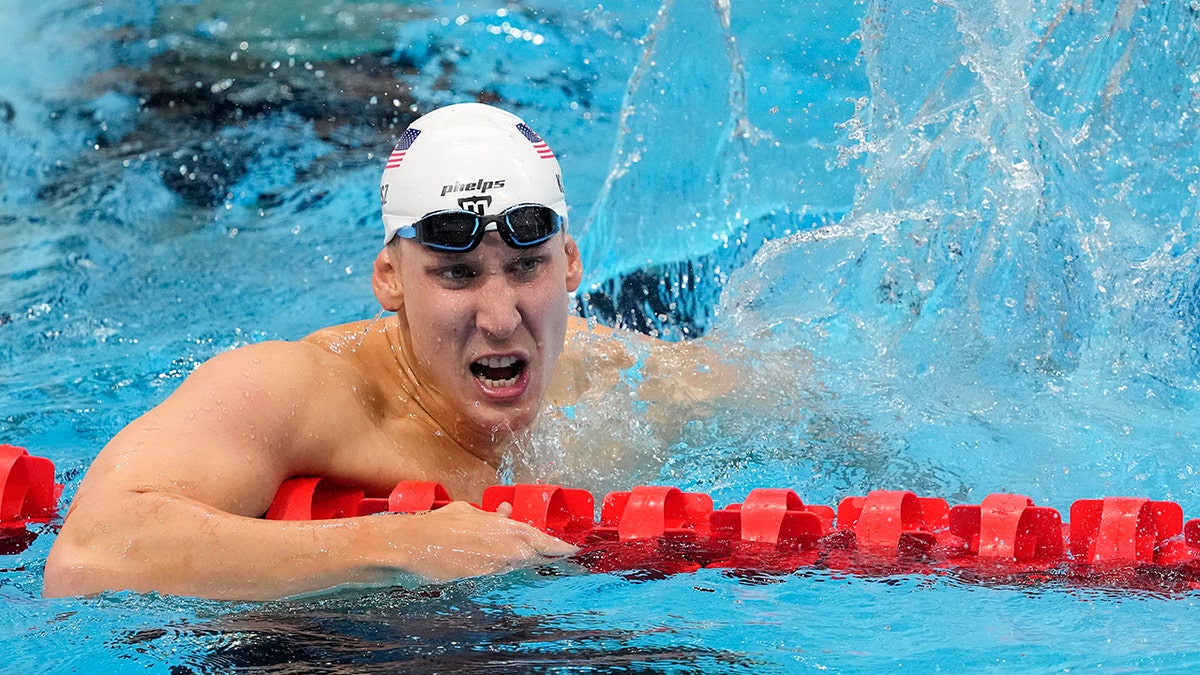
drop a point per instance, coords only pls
(457, 273)
(526, 266)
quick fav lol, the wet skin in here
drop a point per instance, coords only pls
(487, 326)
(434, 392)
(172, 503)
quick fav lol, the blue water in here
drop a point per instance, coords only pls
(979, 275)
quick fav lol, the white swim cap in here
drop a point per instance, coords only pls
(472, 157)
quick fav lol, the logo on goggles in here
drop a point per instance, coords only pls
(476, 205)
(479, 185)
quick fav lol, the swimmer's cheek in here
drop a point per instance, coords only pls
(459, 541)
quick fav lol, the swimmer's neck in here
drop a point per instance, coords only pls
(403, 406)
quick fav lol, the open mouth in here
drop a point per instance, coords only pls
(498, 372)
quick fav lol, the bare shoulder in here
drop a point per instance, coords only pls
(266, 375)
(578, 324)
(240, 424)
(336, 355)
(260, 357)
(591, 362)
(347, 336)
(671, 372)
(320, 387)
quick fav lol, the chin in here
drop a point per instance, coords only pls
(514, 407)
(512, 421)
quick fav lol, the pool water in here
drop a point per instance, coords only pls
(951, 247)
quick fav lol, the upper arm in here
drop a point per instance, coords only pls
(673, 374)
(234, 430)
(591, 362)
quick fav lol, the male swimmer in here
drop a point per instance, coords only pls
(477, 266)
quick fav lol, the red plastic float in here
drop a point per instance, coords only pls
(1115, 541)
(310, 498)
(563, 512)
(28, 494)
(773, 516)
(891, 520)
(661, 529)
(27, 488)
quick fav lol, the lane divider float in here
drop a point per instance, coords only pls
(1114, 541)
(28, 494)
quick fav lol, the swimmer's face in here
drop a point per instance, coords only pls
(487, 326)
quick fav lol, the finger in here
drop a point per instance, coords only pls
(536, 543)
(552, 547)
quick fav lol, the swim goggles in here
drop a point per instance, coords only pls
(520, 226)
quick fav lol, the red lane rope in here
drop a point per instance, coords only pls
(1114, 541)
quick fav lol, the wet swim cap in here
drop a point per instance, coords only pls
(468, 156)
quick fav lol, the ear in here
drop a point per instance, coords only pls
(574, 264)
(386, 281)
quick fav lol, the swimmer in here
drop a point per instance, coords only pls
(475, 274)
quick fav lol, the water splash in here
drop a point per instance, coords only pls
(681, 111)
(1002, 276)
(1008, 303)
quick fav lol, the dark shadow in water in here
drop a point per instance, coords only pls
(199, 108)
(421, 631)
(14, 540)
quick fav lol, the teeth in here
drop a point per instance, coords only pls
(496, 384)
(495, 362)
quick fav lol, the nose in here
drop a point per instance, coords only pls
(496, 313)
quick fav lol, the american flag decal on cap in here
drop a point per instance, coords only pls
(402, 147)
(539, 145)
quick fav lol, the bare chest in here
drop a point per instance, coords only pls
(409, 451)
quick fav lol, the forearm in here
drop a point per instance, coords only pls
(155, 541)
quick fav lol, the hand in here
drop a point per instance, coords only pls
(459, 540)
